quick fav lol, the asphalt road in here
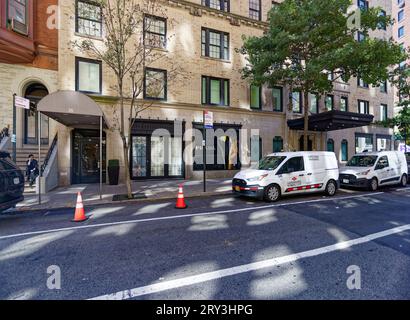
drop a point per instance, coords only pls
(218, 248)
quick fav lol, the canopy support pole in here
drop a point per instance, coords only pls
(39, 156)
(101, 157)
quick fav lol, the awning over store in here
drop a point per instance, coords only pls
(73, 109)
(332, 121)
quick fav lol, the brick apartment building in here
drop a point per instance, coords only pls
(28, 68)
(205, 34)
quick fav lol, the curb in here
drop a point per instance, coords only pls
(105, 202)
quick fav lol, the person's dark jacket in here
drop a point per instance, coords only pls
(32, 165)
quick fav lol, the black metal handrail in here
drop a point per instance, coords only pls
(49, 153)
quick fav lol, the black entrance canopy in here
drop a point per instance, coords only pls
(332, 121)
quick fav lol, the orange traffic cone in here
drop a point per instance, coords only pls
(181, 199)
(79, 215)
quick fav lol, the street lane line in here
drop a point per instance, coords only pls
(183, 216)
(218, 274)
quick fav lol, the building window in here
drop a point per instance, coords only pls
(255, 9)
(330, 102)
(364, 142)
(363, 107)
(384, 143)
(330, 145)
(277, 144)
(88, 19)
(383, 87)
(344, 104)
(401, 32)
(345, 150)
(361, 83)
(383, 112)
(363, 4)
(215, 91)
(222, 5)
(17, 15)
(155, 84)
(155, 32)
(361, 36)
(400, 15)
(215, 44)
(223, 153)
(382, 26)
(277, 99)
(313, 103)
(88, 76)
(256, 149)
(256, 97)
(296, 101)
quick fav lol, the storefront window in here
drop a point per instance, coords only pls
(383, 143)
(364, 143)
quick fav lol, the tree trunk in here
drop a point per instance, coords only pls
(306, 120)
(127, 172)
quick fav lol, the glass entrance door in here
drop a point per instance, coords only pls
(86, 154)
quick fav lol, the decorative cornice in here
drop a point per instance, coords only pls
(200, 10)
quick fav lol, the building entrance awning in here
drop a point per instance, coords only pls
(332, 121)
(72, 109)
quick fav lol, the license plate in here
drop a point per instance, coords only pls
(346, 181)
(238, 189)
(16, 180)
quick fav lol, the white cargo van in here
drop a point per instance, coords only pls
(373, 169)
(287, 173)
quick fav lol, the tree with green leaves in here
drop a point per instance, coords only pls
(309, 40)
(400, 78)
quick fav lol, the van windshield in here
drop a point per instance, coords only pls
(362, 161)
(269, 163)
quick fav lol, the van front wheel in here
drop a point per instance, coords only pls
(374, 185)
(272, 193)
(403, 181)
(331, 188)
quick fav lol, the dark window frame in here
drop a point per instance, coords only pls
(77, 74)
(26, 12)
(223, 3)
(330, 142)
(145, 30)
(77, 18)
(253, 10)
(300, 102)
(344, 98)
(222, 91)
(222, 46)
(281, 99)
(367, 106)
(386, 111)
(333, 102)
(260, 98)
(346, 144)
(165, 84)
(317, 103)
(361, 83)
(277, 139)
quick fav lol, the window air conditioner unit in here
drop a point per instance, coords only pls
(19, 27)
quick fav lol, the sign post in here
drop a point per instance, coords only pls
(208, 124)
(22, 103)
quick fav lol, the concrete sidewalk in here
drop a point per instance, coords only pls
(153, 190)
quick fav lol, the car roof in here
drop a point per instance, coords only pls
(300, 153)
(379, 153)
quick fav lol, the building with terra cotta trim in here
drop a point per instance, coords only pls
(28, 68)
(205, 34)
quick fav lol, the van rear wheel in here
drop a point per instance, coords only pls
(272, 193)
(403, 181)
(331, 188)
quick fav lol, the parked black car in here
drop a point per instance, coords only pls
(11, 182)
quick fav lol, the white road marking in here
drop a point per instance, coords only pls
(183, 216)
(218, 274)
(404, 189)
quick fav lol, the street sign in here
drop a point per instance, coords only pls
(21, 102)
(208, 120)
